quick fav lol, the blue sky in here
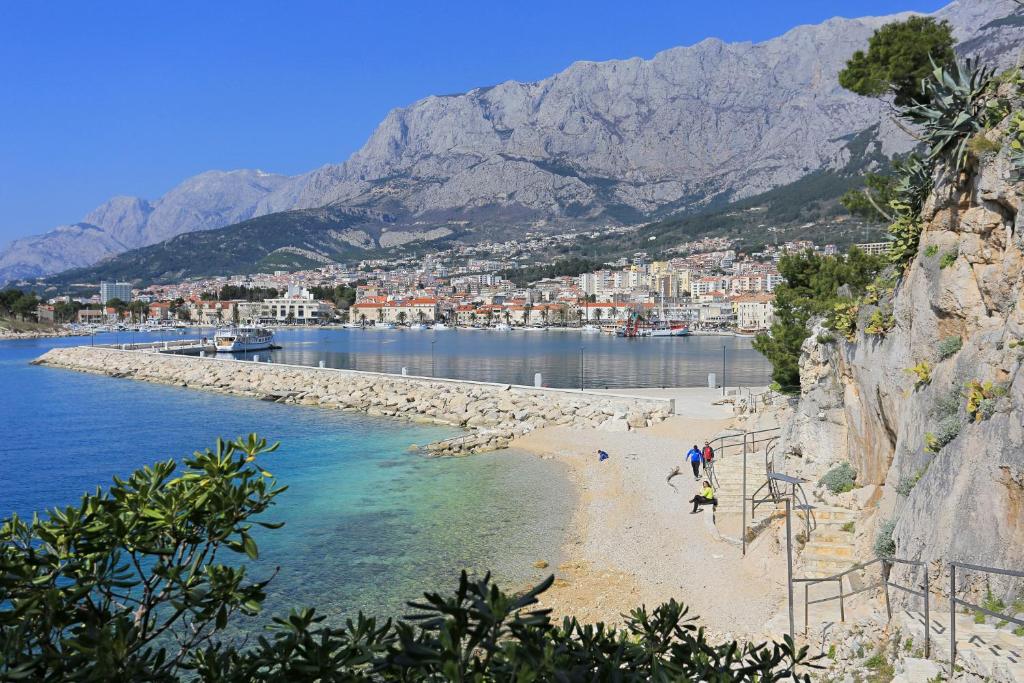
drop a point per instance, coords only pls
(106, 98)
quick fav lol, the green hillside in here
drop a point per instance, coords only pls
(291, 240)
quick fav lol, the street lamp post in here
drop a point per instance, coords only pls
(789, 566)
(723, 369)
(432, 342)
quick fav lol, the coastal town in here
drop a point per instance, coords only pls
(707, 286)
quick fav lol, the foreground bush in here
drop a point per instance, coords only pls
(129, 586)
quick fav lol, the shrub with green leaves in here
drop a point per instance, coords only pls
(981, 399)
(923, 372)
(907, 482)
(931, 250)
(880, 322)
(840, 478)
(130, 585)
(1016, 140)
(885, 544)
(947, 259)
(949, 346)
(843, 318)
(947, 429)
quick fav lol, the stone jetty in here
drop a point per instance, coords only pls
(494, 414)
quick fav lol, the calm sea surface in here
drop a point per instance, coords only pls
(514, 357)
(368, 524)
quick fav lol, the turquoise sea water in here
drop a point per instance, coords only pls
(369, 525)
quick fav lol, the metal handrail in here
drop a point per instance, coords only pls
(954, 601)
(885, 583)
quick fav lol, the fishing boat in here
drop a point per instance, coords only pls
(242, 338)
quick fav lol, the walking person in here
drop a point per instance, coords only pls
(695, 459)
(708, 453)
(705, 497)
(708, 456)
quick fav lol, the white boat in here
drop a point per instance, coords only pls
(418, 326)
(590, 329)
(243, 338)
(383, 326)
(669, 330)
(440, 326)
(502, 327)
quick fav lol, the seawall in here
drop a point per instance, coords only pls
(496, 413)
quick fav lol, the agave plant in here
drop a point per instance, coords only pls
(955, 110)
(1016, 135)
(912, 187)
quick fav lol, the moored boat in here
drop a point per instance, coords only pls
(242, 338)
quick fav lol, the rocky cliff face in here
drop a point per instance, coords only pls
(948, 446)
(609, 142)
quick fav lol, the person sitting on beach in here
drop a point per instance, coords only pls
(695, 459)
(705, 497)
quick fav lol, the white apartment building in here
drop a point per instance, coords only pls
(115, 290)
(296, 306)
(754, 312)
(704, 285)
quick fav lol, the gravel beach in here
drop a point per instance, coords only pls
(633, 541)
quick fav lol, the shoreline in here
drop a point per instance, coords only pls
(631, 541)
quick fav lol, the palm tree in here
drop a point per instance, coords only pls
(472, 318)
(421, 315)
(508, 317)
(615, 313)
(362, 319)
(597, 315)
(526, 314)
(544, 315)
(380, 314)
(401, 317)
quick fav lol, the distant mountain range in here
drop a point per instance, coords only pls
(617, 142)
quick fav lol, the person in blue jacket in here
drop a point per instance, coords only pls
(695, 459)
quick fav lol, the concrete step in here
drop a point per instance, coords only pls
(829, 514)
(823, 566)
(833, 534)
(826, 549)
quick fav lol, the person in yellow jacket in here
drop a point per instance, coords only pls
(705, 497)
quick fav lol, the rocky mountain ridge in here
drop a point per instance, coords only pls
(619, 142)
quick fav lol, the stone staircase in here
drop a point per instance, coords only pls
(983, 650)
(729, 475)
(830, 549)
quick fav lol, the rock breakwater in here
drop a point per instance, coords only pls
(495, 413)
